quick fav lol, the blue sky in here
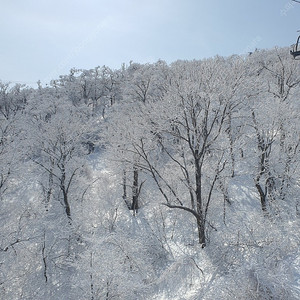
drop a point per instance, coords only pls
(42, 39)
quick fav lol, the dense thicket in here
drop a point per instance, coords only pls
(153, 181)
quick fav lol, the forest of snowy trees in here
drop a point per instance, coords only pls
(153, 181)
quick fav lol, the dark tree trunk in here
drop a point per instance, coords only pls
(200, 219)
(66, 203)
(44, 258)
(263, 197)
(49, 189)
(231, 142)
(135, 190)
(264, 147)
(124, 186)
(65, 192)
(125, 190)
(201, 232)
(262, 191)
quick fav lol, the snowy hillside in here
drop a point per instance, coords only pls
(153, 181)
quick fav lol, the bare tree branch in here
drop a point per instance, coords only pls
(196, 215)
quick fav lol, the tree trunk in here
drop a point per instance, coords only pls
(201, 232)
(135, 190)
(125, 190)
(124, 185)
(200, 219)
(231, 143)
(49, 190)
(263, 197)
(66, 203)
(44, 258)
(65, 192)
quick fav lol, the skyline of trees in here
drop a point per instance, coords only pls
(153, 180)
